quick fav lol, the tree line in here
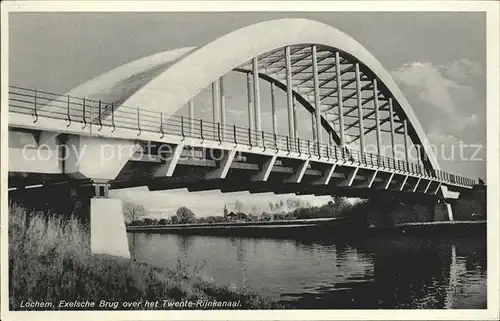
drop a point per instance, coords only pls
(289, 209)
(384, 209)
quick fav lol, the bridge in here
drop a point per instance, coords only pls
(124, 128)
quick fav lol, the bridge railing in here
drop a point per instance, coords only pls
(99, 113)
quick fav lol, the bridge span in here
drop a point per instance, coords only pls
(123, 129)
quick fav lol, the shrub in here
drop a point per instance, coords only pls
(50, 260)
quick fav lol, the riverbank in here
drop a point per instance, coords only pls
(50, 266)
(452, 228)
(316, 228)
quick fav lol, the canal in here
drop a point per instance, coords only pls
(368, 273)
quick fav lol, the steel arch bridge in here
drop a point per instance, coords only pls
(351, 98)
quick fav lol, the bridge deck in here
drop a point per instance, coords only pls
(79, 116)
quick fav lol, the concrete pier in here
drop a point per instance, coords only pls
(89, 203)
(107, 227)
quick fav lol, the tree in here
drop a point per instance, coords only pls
(252, 218)
(185, 215)
(276, 207)
(175, 219)
(265, 217)
(215, 219)
(255, 210)
(339, 200)
(163, 221)
(293, 203)
(238, 206)
(225, 211)
(148, 221)
(279, 217)
(241, 216)
(133, 211)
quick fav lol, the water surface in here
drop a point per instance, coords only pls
(374, 272)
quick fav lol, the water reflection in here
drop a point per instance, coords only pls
(184, 244)
(376, 272)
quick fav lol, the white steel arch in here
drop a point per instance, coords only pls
(169, 81)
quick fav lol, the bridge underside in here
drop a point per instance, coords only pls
(199, 169)
(206, 169)
(88, 166)
(89, 200)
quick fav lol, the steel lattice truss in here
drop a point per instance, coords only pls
(331, 72)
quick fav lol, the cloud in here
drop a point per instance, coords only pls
(449, 99)
(450, 102)
(463, 71)
(433, 87)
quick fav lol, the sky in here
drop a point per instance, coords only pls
(437, 59)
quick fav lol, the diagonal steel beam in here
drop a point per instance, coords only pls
(309, 66)
(355, 123)
(322, 70)
(365, 116)
(347, 97)
(272, 54)
(223, 168)
(346, 70)
(292, 61)
(344, 85)
(348, 113)
(265, 170)
(324, 82)
(370, 129)
(280, 57)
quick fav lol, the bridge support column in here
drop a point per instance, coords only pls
(295, 124)
(256, 97)
(377, 116)
(339, 98)
(250, 99)
(360, 109)
(405, 129)
(443, 211)
(222, 99)
(215, 105)
(391, 119)
(273, 108)
(289, 93)
(86, 201)
(317, 101)
(191, 117)
(108, 234)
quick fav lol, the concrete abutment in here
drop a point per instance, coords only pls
(389, 210)
(90, 204)
(108, 233)
(443, 211)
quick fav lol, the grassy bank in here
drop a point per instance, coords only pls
(50, 261)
